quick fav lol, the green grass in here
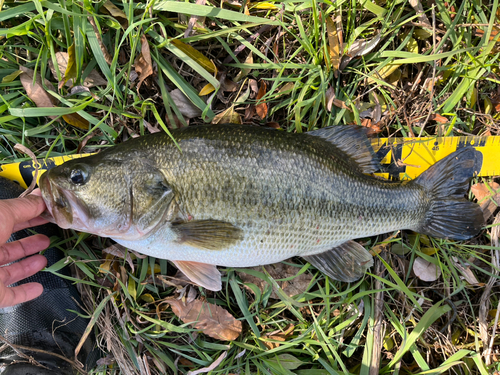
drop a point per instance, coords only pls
(390, 322)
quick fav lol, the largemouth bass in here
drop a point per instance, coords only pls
(241, 196)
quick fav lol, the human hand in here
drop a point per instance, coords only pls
(17, 214)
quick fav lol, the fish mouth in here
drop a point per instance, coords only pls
(62, 206)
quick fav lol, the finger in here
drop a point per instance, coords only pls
(16, 250)
(30, 223)
(19, 210)
(20, 270)
(19, 294)
(37, 192)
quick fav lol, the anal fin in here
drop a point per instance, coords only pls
(205, 275)
(347, 262)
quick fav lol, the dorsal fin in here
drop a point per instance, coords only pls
(354, 142)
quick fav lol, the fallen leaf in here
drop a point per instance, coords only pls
(211, 319)
(186, 362)
(297, 285)
(340, 104)
(121, 252)
(207, 89)
(225, 83)
(253, 85)
(487, 197)
(214, 364)
(245, 71)
(362, 47)
(116, 12)
(93, 79)
(263, 6)
(383, 73)
(329, 96)
(227, 116)
(423, 33)
(102, 46)
(438, 118)
(249, 112)
(185, 106)
(193, 20)
(272, 124)
(70, 72)
(36, 92)
(196, 55)
(426, 271)
(12, 76)
(412, 45)
(261, 108)
(76, 120)
(279, 335)
(466, 272)
(143, 64)
(334, 44)
(286, 361)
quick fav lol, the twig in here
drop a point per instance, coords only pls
(18, 348)
(378, 331)
(104, 50)
(254, 36)
(433, 80)
(484, 304)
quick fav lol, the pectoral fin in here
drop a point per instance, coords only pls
(208, 234)
(347, 262)
(205, 275)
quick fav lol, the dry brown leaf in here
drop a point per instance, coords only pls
(466, 272)
(214, 364)
(272, 124)
(253, 85)
(227, 116)
(488, 198)
(340, 104)
(297, 285)
(426, 271)
(194, 19)
(97, 33)
(36, 92)
(261, 108)
(334, 44)
(225, 83)
(245, 71)
(116, 12)
(143, 64)
(120, 252)
(249, 112)
(329, 96)
(185, 106)
(211, 319)
(362, 47)
(438, 118)
(93, 79)
(279, 335)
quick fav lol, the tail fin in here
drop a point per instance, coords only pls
(446, 183)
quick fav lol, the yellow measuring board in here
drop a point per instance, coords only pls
(24, 171)
(406, 158)
(401, 158)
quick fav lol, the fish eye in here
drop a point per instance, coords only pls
(79, 176)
